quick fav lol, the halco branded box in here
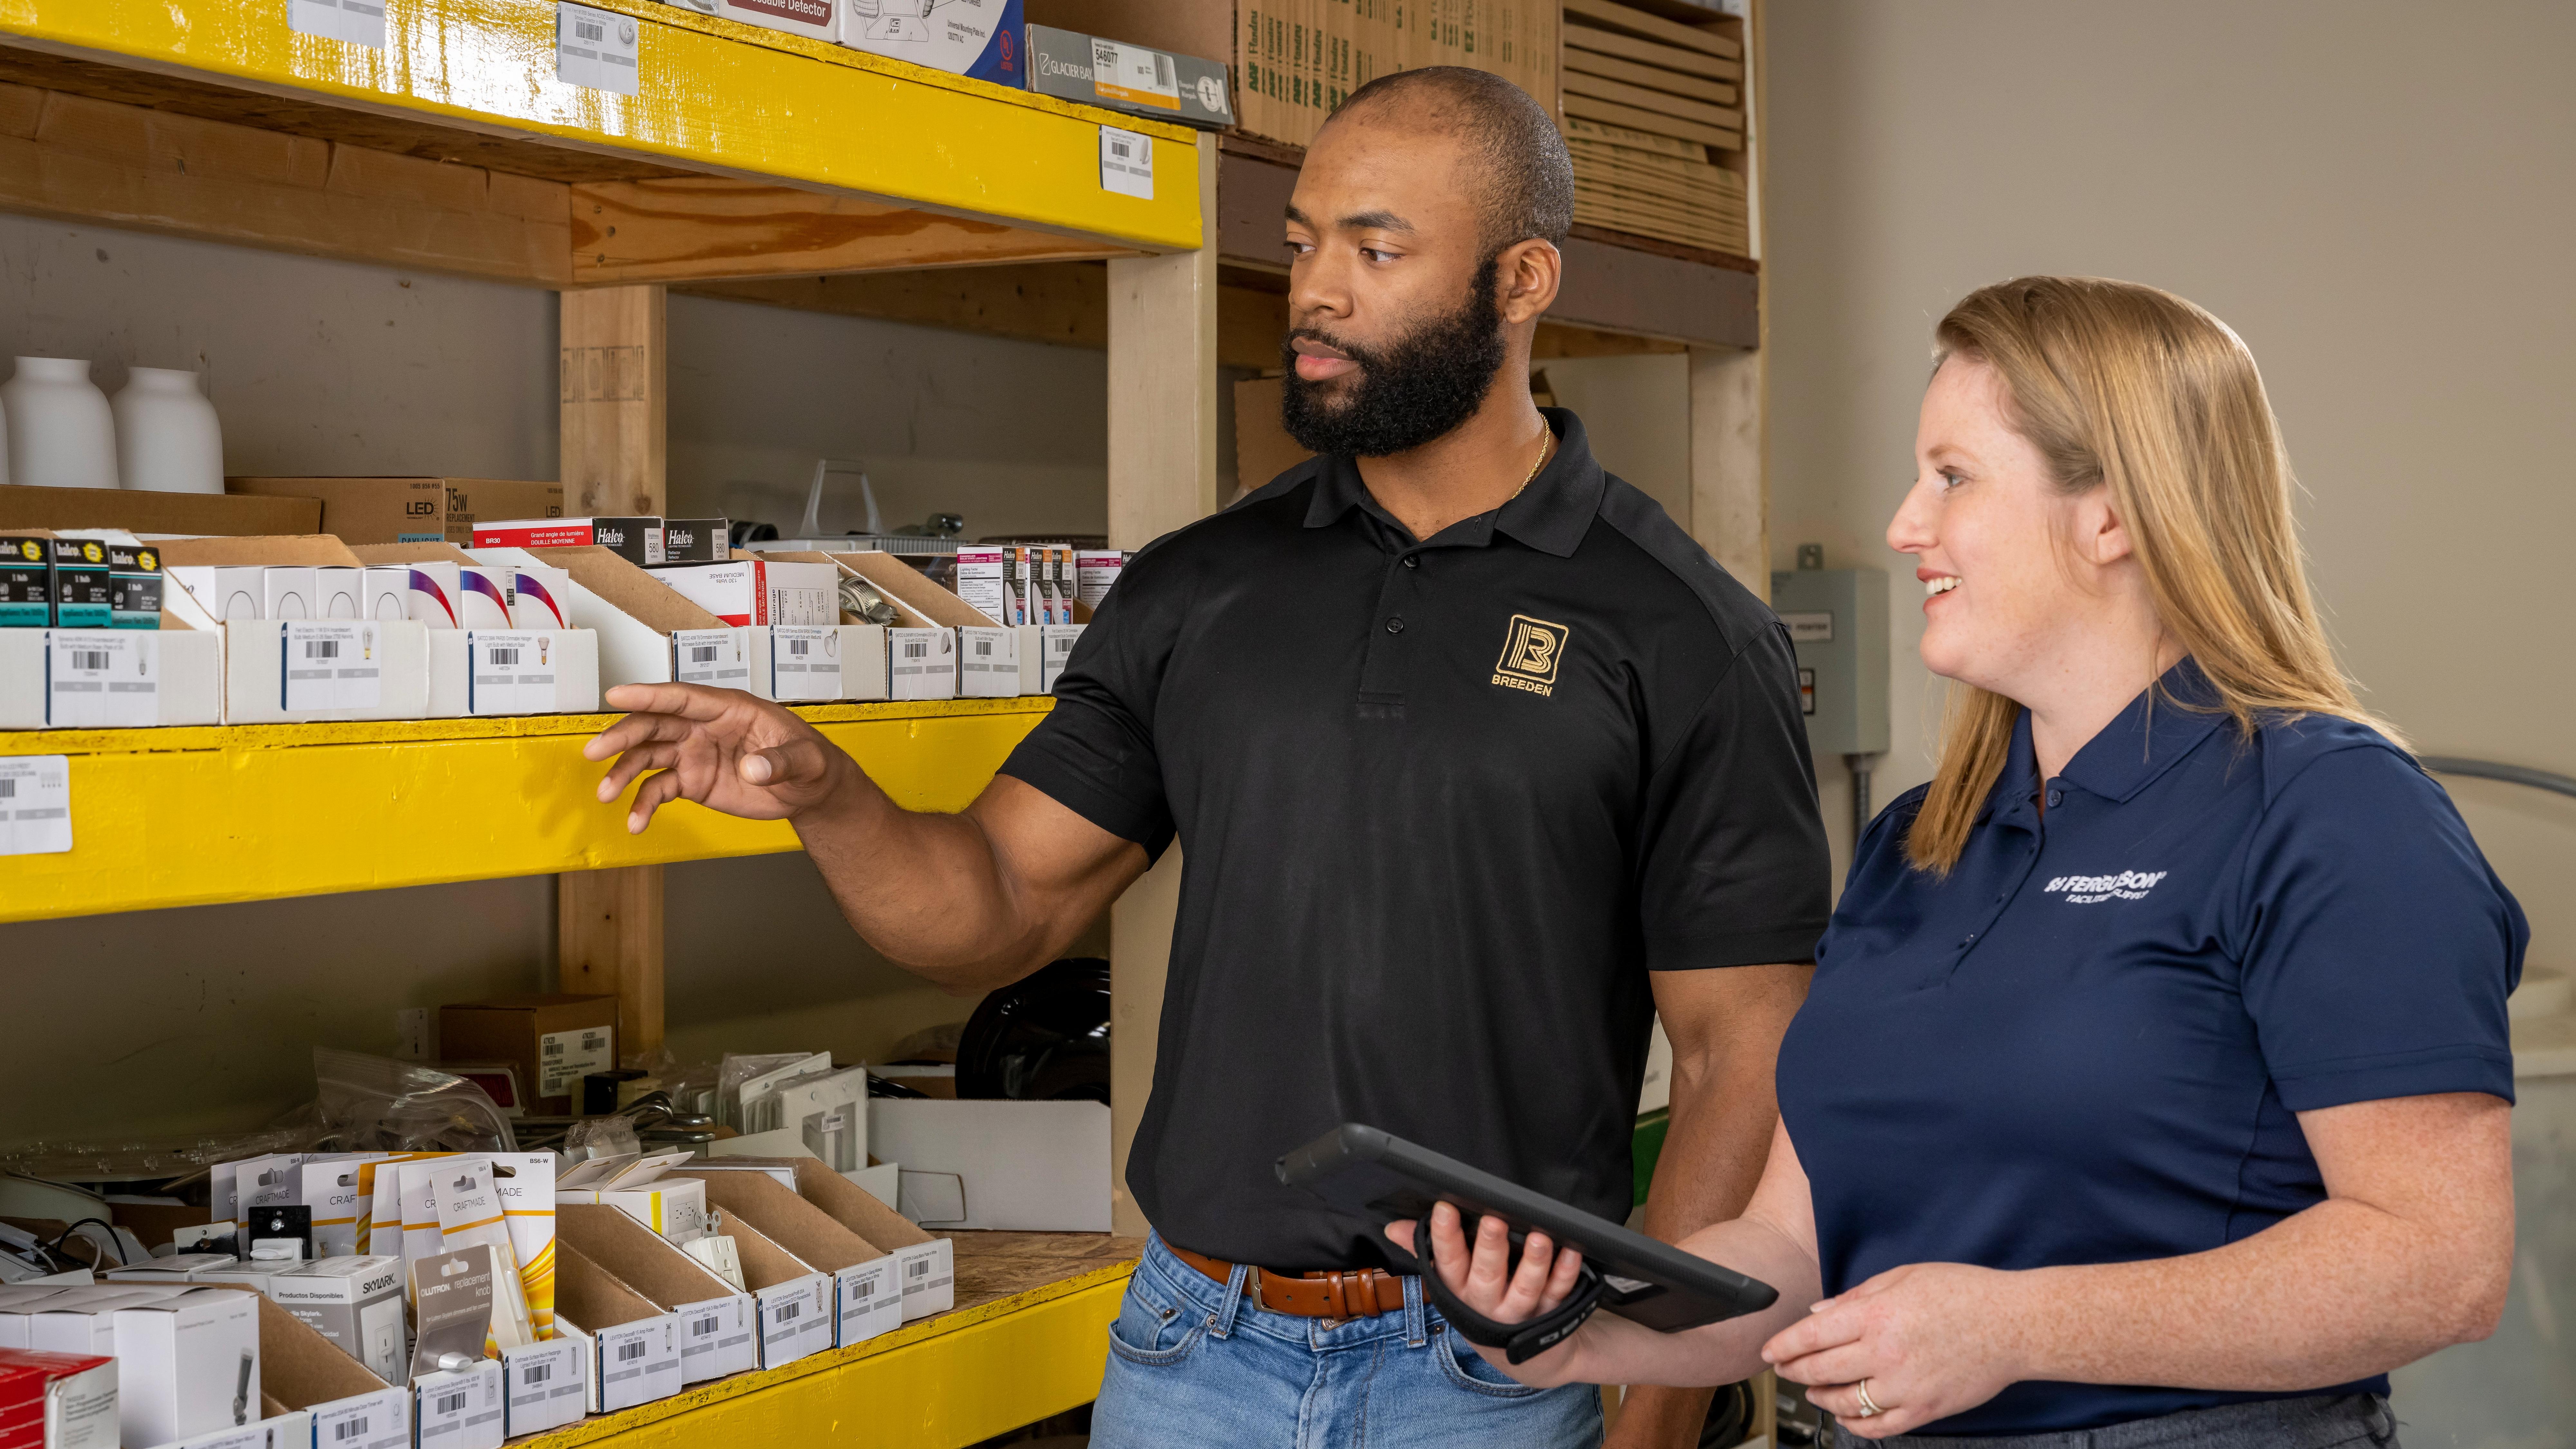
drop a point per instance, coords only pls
(715, 1326)
(409, 510)
(696, 540)
(635, 1344)
(83, 589)
(636, 539)
(355, 1303)
(978, 38)
(554, 1039)
(57, 1400)
(867, 1294)
(1137, 79)
(26, 582)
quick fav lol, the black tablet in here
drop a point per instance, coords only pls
(1368, 1174)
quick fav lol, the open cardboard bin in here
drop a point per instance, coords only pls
(112, 678)
(301, 1372)
(485, 671)
(866, 1280)
(925, 1266)
(278, 671)
(791, 1300)
(648, 633)
(634, 1344)
(716, 1331)
(952, 652)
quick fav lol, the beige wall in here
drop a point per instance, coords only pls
(2377, 196)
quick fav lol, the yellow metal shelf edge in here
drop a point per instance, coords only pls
(714, 96)
(176, 817)
(938, 1384)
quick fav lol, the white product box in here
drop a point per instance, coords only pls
(74, 1409)
(483, 596)
(812, 662)
(716, 1330)
(177, 1268)
(187, 1365)
(719, 658)
(921, 664)
(979, 583)
(355, 1303)
(1018, 1166)
(286, 592)
(83, 1320)
(543, 1384)
(227, 591)
(409, 591)
(819, 19)
(1094, 571)
(755, 591)
(988, 663)
(277, 671)
(460, 1408)
(1044, 649)
(538, 596)
(513, 671)
(675, 1208)
(109, 678)
(335, 591)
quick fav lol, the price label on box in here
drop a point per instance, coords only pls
(804, 661)
(359, 22)
(596, 48)
(35, 804)
(710, 656)
(331, 666)
(1127, 163)
(103, 678)
(509, 672)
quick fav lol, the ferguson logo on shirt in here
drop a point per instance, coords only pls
(2084, 890)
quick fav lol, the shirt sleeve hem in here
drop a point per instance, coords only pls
(1794, 945)
(1108, 811)
(2401, 1074)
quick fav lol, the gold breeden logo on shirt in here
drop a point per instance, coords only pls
(1531, 653)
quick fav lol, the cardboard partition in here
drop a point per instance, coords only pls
(715, 1322)
(791, 1302)
(927, 1266)
(404, 510)
(866, 1279)
(635, 614)
(351, 1408)
(1015, 1166)
(635, 1346)
(545, 1385)
(137, 511)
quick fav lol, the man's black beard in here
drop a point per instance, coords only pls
(1417, 388)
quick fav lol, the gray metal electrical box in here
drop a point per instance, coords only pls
(1837, 618)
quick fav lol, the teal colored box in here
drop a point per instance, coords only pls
(134, 585)
(84, 591)
(26, 584)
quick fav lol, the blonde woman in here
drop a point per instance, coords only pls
(2154, 1085)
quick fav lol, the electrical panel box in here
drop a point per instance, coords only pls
(1837, 618)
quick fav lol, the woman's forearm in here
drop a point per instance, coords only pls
(1612, 1350)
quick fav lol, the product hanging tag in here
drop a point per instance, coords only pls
(359, 22)
(513, 672)
(331, 666)
(35, 804)
(102, 679)
(595, 48)
(1127, 163)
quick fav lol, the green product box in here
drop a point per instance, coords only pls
(83, 589)
(134, 585)
(26, 584)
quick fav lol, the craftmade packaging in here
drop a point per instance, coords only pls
(57, 1401)
(978, 38)
(637, 539)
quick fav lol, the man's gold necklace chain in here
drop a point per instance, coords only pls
(1546, 446)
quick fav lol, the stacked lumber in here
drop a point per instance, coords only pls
(1295, 60)
(1649, 105)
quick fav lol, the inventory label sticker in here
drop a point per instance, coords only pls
(596, 48)
(35, 804)
(805, 661)
(102, 679)
(710, 656)
(1133, 74)
(1127, 163)
(331, 666)
(359, 22)
(565, 1057)
(509, 672)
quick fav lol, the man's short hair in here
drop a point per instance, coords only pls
(1528, 185)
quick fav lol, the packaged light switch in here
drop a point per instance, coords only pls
(134, 585)
(84, 591)
(330, 1190)
(482, 596)
(57, 1400)
(286, 592)
(26, 583)
(637, 539)
(469, 1215)
(980, 583)
(696, 540)
(335, 591)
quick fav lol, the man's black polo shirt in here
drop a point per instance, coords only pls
(1444, 804)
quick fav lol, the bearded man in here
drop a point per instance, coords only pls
(1478, 762)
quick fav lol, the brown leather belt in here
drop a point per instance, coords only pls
(1364, 1293)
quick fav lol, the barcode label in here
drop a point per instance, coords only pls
(1126, 163)
(1119, 148)
(702, 654)
(787, 1311)
(799, 647)
(37, 790)
(330, 666)
(626, 1352)
(535, 1373)
(984, 648)
(321, 648)
(597, 48)
(1162, 71)
(554, 1046)
(704, 1326)
(8, 789)
(590, 30)
(89, 659)
(917, 1268)
(916, 649)
(449, 1403)
(348, 1429)
(503, 656)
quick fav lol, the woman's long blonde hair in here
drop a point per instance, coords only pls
(2133, 389)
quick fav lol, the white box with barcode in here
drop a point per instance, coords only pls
(377, 1420)
(988, 663)
(367, 669)
(543, 1384)
(720, 658)
(637, 1362)
(461, 1408)
(921, 664)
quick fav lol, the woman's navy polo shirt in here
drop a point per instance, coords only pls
(2086, 1044)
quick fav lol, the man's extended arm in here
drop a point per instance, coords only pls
(972, 901)
(1725, 1027)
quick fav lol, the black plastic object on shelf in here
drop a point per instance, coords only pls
(1044, 1038)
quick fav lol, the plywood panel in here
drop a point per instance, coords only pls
(687, 228)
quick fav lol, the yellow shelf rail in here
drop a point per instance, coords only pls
(177, 817)
(714, 96)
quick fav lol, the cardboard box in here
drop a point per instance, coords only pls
(355, 1303)
(134, 585)
(1017, 1166)
(674, 1208)
(758, 591)
(867, 1294)
(696, 540)
(715, 1330)
(26, 583)
(57, 1400)
(404, 510)
(635, 616)
(978, 38)
(1123, 76)
(109, 678)
(926, 1266)
(792, 1302)
(282, 670)
(814, 19)
(552, 1038)
(187, 1365)
(635, 1345)
(141, 512)
(544, 1383)
(635, 538)
(350, 1407)
(922, 659)
(461, 1408)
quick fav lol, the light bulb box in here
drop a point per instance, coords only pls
(408, 510)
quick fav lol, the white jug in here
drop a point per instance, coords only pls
(168, 439)
(61, 434)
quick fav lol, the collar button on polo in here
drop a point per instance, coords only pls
(1413, 560)
(1395, 626)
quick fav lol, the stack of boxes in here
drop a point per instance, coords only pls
(1298, 59)
(1654, 117)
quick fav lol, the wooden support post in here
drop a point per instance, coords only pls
(1730, 492)
(616, 366)
(1162, 474)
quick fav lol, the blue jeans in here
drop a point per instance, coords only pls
(1193, 1364)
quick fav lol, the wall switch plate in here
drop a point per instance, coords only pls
(412, 1041)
